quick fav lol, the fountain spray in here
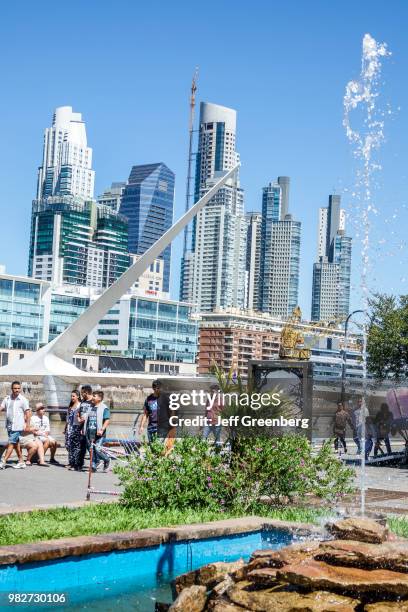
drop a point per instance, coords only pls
(360, 98)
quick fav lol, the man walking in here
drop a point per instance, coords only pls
(17, 421)
(341, 419)
(150, 413)
(95, 426)
(165, 431)
(84, 407)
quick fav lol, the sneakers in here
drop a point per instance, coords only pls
(19, 466)
(106, 466)
(99, 464)
(2, 465)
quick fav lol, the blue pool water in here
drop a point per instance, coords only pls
(127, 580)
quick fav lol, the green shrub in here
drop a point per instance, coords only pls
(285, 468)
(191, 476)
(195, 476)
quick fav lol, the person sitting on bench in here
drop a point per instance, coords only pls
(40, 424)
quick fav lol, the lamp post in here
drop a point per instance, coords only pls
(343, 370)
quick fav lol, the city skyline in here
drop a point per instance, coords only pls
(277, 135)
(75, 238)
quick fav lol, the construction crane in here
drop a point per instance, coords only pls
(190, 154)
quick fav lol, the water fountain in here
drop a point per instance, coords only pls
(361, 100)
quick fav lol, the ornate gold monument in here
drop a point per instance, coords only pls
(291, 341)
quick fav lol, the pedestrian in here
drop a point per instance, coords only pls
(357, 420)
(95, 426)
(17, 421)
(84, 408)
(383, 422)
(160, 422)
(370, 435)
(40, 425)
(341, 419)
(74, 440)
(354, 412)
(213, 410)
(149, 415)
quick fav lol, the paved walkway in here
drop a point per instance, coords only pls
(38, 487)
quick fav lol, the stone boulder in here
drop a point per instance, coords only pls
(224, 606)
(288, 601)
(265, 576)
(293, 553)
(389, 555)
(318, 575)
(387, 606)
(191, 599)
(360, 529)
(208, 575)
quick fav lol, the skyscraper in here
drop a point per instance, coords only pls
(147, 202)
(213, 273)
(76, 242)
(253, 259)
(73, 240)
(331, 272)
(112, 196)
(280, 251)
(66, 167)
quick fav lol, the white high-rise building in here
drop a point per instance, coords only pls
(331, 272)
(66, 167)
(280, 251)
(322, 230)
(213, 275)
(253, 260)
(219, 256)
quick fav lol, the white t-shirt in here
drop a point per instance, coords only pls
(42, 424)
(15, 409)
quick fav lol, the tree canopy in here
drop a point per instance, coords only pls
(387, 342)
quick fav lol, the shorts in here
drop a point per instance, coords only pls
(14, 437)
(45, 438)
(27, 440)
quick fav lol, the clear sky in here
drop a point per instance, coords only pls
(127, 67)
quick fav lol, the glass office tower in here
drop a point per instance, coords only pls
(148, 202)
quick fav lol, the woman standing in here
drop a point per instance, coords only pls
(73, 434)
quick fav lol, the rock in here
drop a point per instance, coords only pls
(389, 555)
(191, 599)
(285, 556)
(360, 529)
(161, 607)
(223, 586)
(262, 552)
(319, 575)
(225, 606)
(265, 575)
(208, 575)
(387, 606)
(285, 601)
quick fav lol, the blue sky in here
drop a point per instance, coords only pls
(127, 67)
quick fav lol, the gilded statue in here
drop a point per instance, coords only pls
(291, 340)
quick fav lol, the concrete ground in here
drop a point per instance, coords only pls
(38, 487)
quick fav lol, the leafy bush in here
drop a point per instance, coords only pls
(285, 468)
(191, 476)
(195, 476)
